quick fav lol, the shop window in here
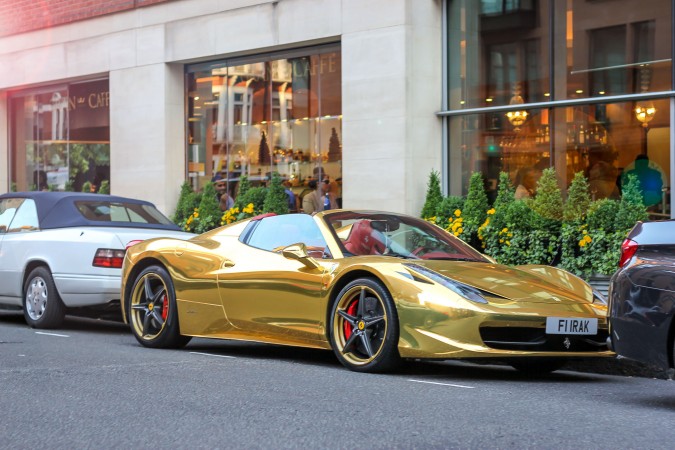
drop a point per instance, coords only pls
(60, 138)
(264, 115)
(605, 142)
(498, 52)
(625, 52)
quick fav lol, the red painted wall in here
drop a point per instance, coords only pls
(19, 16)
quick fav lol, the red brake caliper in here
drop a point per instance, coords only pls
(165, 307)
(351, 310)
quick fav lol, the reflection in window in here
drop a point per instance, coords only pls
(617, 53)
(8, 208)
(608, 55)
(25, 219)
(497, 52)
(275, 233)
(282, 115)
(61, 138)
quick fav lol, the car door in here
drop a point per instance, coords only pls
(18, 222)
(267, 295)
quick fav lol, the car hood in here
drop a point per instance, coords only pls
(504, 281)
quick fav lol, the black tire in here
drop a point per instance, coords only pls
(364, 327)
(42, 306)
(537, 367)
(153, 315)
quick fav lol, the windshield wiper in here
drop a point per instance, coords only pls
(400, 255)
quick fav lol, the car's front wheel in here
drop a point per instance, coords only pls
(42, 306)
(153, 315)
(364, 327)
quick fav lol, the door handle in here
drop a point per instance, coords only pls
(227, 263)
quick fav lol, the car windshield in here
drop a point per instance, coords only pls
(397, 236)
(106, 211)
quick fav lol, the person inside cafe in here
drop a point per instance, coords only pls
(526, 182)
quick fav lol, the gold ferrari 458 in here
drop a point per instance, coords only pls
(374, 287)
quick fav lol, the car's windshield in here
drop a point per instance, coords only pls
(399, 236)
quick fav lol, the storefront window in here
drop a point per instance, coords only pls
(60, 138)
(609, 141)
(498, 52)
(605, 142)
(535, 75)
(259, 116)
(625, 52)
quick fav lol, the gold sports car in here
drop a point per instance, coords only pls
(374, 287)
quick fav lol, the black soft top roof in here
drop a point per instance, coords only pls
(58, 210)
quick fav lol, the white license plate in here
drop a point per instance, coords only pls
(562, 325)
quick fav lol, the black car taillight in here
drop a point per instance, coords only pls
(108, 257)
(628, 249)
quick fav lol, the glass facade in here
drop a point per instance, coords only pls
(275, 113)
(582, 86)
(60, 138)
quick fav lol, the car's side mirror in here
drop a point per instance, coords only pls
(298, 252)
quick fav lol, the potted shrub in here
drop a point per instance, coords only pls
(433, 198)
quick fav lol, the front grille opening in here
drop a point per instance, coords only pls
(536, 339)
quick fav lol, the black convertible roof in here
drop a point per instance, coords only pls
(58, 210)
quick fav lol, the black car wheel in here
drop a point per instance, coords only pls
(153, 315)
(364, 327)
(537, 367)
(42, 306)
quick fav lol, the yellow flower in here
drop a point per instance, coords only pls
(508, 243)
(585, 232)
(249, 208)
(501, 241)
(460, 230)
(505, 230)
(510, 235)
(582, 243)
(491, 211)
(196, 214)
(588, 239)
(458, 212)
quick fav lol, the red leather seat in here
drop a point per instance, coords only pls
(364, 240)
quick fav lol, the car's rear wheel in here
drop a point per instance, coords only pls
(364, 327)
(537, 367)
(153, 315)
(42, 306)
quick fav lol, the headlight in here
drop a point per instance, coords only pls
(468, 292)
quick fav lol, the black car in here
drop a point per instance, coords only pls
(642, 295)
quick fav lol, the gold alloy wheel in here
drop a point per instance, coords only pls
(149, 306)
(360, 325)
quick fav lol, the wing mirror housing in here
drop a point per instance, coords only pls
(298, 252)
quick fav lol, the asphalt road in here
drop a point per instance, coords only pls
(90, 385)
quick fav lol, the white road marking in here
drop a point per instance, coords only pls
(443, 384)
(211, 354)
(51, 334)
